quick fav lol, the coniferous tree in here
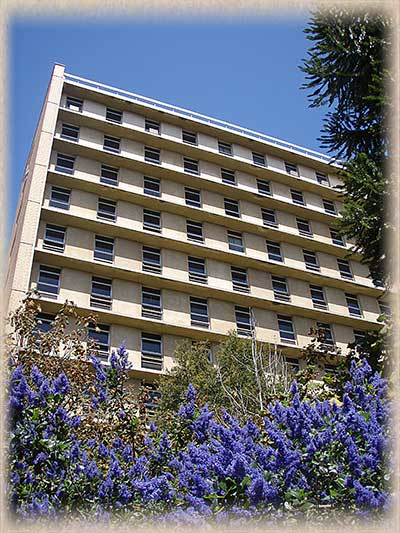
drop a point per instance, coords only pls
(347, 71)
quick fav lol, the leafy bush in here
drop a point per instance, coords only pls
(306, 459)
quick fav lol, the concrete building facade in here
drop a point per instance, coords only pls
(171, 225)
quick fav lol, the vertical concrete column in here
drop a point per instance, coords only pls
(26, 224)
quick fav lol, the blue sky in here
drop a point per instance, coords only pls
(242, 72)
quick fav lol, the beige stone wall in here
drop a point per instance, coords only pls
(134, 150)
(23, 238)
(75, 285)
(82, 224)
(130, 216)
(128, 255)
(134, 121)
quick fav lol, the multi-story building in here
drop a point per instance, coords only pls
(173, 225)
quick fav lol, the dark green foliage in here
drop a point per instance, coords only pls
(229, 383)
(347, 71)
(191, 366)
(364, 211)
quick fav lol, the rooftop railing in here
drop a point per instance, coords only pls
(204, 119)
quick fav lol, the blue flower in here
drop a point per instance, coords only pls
(61, 385)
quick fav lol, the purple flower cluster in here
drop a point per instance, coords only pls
(317, 455)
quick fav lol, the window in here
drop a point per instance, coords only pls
(225, 148)
(291, 169)
(65, 163)
(54, 238)
(100, 295)
(385, 309)
(269, 217)
(60, 197)
(194, 231)
(111, 144)
(152, 351)
(264, 187)
(152, 155)
(104, 248)
(274, 251)
(151, 186)
(68, 131)
(353, 305)
(199, 312)
(106, 209)
(49, 280)
(151, 303)
(235, 241)
(297, 197)
(192, 197)
(359, 336)
(336, 237)
(311, 260)
(100, 334)
(240, 281)
(152, 220)
(231, 207)
(304, 227)
(190, 165)
(280, 288)
(344, 269)
(326, 332)
(329, 207)
(153, 397)
(293, 365)
(151, 260)
(44, 323)
(109, 175)
(243, 321)
(75, 104)
(197, 269)
(322, 178)
(228, 176)
(152, 126)
(189, 137)
(318, 297)
(330, 369)
(113, 115)
(258, 159)
(286, 329)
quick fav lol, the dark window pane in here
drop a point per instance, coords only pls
(228, 176)
(65, 163)
(291, 169)
(113, 115)
(192, 197)
(109, 175)
(111, 144)
(54, 237)
(224, 148)
(152, 126)
(258, 159)
(68, 131)
(190, 165)
(189, 137)
(75, 104)
(151, 186)
(152, 155)
(235, 241)
(60, 197)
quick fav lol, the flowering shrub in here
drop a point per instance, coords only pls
(305, 459)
